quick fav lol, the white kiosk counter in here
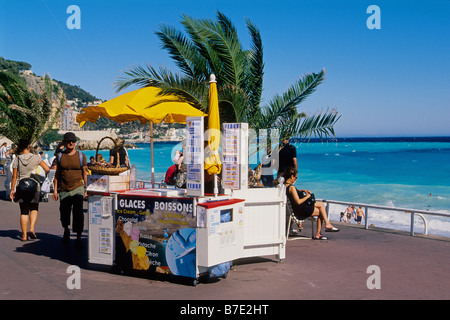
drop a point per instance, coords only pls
(163, 231)
(264, 222)
(184, 232)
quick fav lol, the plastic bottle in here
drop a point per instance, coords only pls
(133, 177)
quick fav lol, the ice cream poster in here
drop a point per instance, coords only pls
(156, 234)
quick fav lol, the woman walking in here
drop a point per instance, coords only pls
(27, 196)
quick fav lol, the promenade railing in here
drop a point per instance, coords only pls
(367, 207)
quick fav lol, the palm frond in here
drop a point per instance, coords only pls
(195, 29)
(253, 79)
(182, 52)
(318, 125)
(145, 76)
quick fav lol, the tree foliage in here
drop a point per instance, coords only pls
(13, 66)
(213, 47)
(24, 114)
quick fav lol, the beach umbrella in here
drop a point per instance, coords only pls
(212, 161)
(144, 105)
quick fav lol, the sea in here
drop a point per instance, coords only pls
(411, 173)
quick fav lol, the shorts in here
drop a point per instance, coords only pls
(26, 207)
(303, 211)
(35, 200)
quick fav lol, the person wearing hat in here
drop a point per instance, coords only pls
(71, 179)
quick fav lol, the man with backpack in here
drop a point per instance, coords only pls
(71, 182)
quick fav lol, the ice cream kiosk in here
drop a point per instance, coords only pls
(187, 233)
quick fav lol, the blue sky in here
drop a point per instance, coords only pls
(392, 81)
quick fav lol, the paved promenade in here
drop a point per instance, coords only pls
(410, 268)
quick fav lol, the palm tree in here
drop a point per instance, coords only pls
(213, 47)
(24, 114)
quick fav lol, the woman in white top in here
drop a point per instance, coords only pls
(23, 167)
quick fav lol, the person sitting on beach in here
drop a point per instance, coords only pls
(302, 210)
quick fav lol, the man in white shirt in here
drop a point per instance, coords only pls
(2, 157)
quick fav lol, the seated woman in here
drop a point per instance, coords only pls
(302, 210)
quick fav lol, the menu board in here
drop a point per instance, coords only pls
(194, 156)
(155, 234)
(231, 156)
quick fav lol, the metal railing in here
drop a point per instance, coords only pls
(413, 212)
(148, 184)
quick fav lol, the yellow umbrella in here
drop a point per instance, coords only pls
(212, 161)
(144, 105)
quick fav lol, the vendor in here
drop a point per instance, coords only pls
(123, 155)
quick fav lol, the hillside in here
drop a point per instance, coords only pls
(73, 92)
(63, 92)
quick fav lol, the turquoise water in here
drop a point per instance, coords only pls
(411, 174)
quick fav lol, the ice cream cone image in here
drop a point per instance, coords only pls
(126, 240)
(125, 233)
(140, 260)
(144, 263)
(134, 244)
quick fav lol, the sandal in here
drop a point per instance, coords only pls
(32, 235)
(332, 230)
(321, 237)
(66, 236)
(79, 244)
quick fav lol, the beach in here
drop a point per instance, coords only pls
(411, 268)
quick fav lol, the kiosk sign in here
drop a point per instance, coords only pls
(194, 157)
(156, 234)
(231, 159)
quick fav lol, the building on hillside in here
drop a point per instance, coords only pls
(69, 119)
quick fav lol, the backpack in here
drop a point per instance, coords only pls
(80, 155)
(181, 179)
(26, 189)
